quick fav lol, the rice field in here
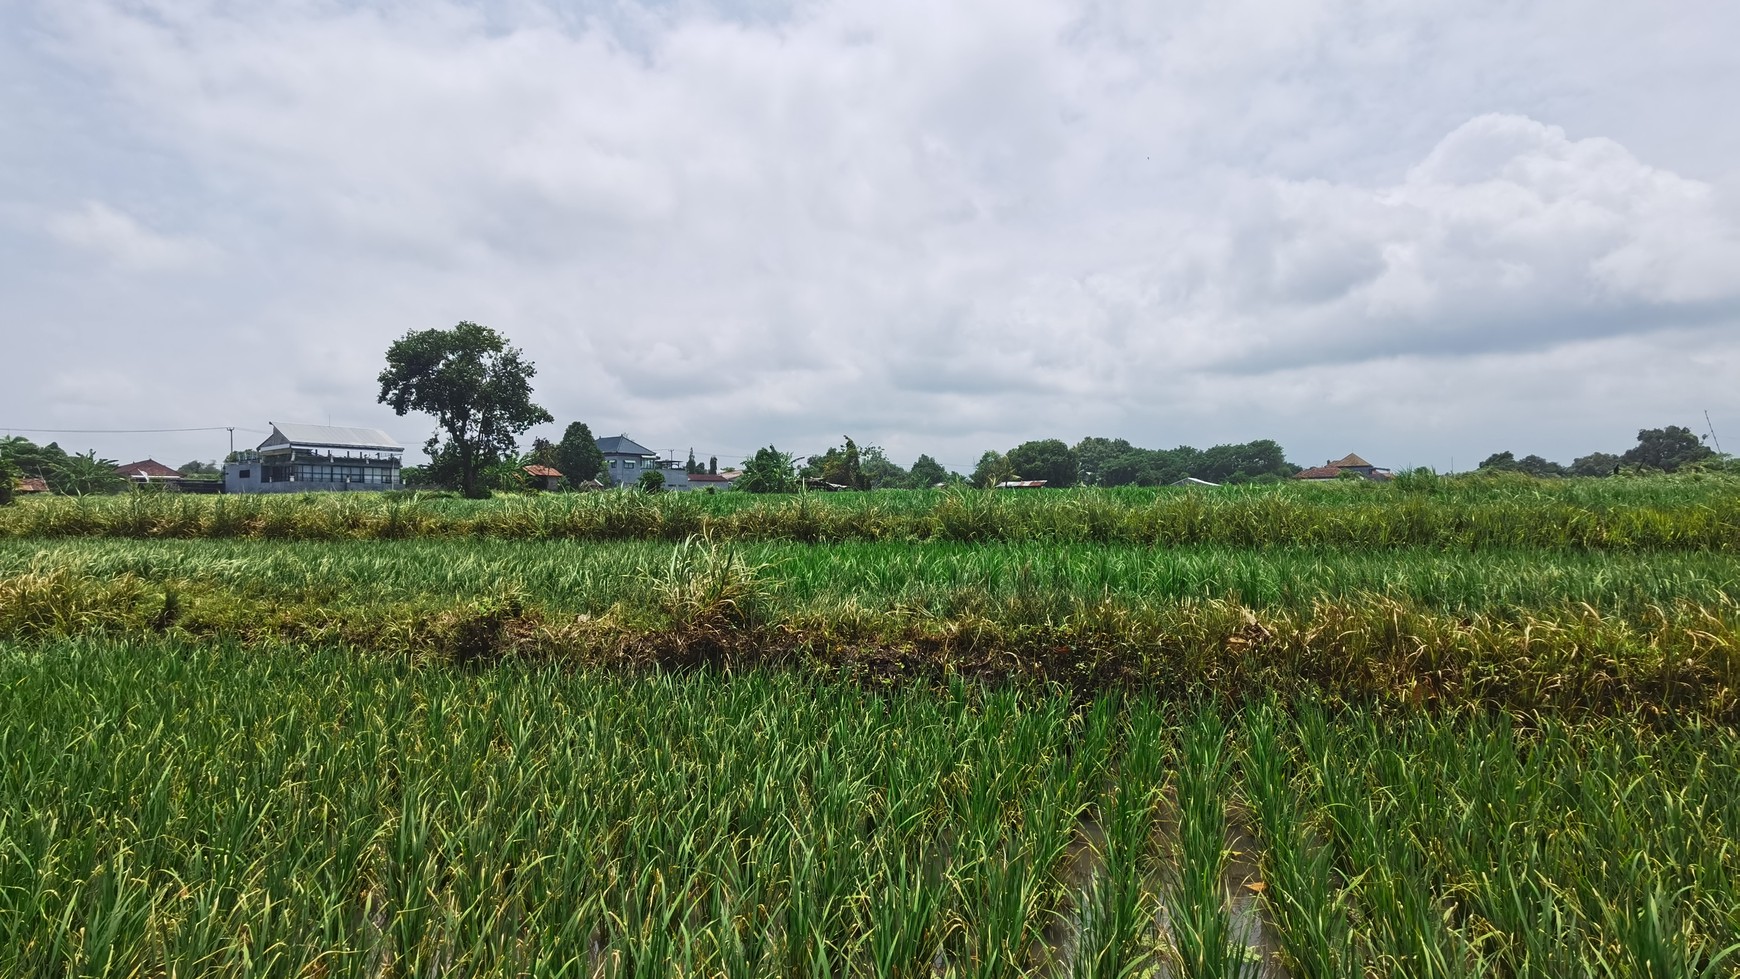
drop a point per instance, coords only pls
(1438, 729)
(1700, 512)
(216, 810)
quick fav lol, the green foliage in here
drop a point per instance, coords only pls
(198, 468)
(1047, 459)
(475, 384)
(10, 474)
(652, 481)
(1595, 464)
(768, 471)
(85, 474)
(1531, 465)
(1115, 462)
(927, 472)
(577, 456)
(510, 821)
(993, 468)
(1666, 449)
(543, 453)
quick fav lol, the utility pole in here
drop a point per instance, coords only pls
(1712, 429)
(232, 430)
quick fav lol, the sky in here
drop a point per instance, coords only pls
(1422, 231)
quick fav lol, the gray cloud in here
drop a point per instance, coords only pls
(940, 228)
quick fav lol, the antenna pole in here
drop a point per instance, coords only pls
(1712, 429)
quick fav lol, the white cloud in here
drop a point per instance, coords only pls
(118, 238)
(936, 227)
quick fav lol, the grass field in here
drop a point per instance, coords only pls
(1445, 728)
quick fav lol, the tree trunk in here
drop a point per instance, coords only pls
(468, 472)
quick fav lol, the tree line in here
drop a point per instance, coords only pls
(1667, 449)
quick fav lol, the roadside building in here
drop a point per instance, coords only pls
(317, 458)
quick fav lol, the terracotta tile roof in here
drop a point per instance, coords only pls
(33, 484)
(1318, 472)
(148, 468)
(707, 478)
(546, 471)
(1351, 461)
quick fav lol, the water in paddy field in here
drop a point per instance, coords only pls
(1242, 884)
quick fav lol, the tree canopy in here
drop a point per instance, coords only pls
(1047, 459)
(927, 472)
(577, 455)
(475, 384)
(1666, 449)
(767, 471)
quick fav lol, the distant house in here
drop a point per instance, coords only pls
(625, 459)
(542, 477)
(709, 482)
(32, 484)
(1350, 463)
(150, 471)
(309, 458)
(1022, 484)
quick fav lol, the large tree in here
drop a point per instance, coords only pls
(1047, 459)
(577, 455)
(477, 387)
(927, 472)
(1666, 449)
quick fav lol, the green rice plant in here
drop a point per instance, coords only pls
(1303, 892)
(1117, 935)
(1689, 513)
(1197, 915)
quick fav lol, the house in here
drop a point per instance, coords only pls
(625, 459)
(709, 482)
(309, 458)
(1350, 463)
(150, 471)
(32, 484)
(676, 477)
(542, 477)
(1022, 484)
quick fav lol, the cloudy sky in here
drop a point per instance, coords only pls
(1422, 231)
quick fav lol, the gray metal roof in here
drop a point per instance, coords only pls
(622, 445)
(328, 436)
